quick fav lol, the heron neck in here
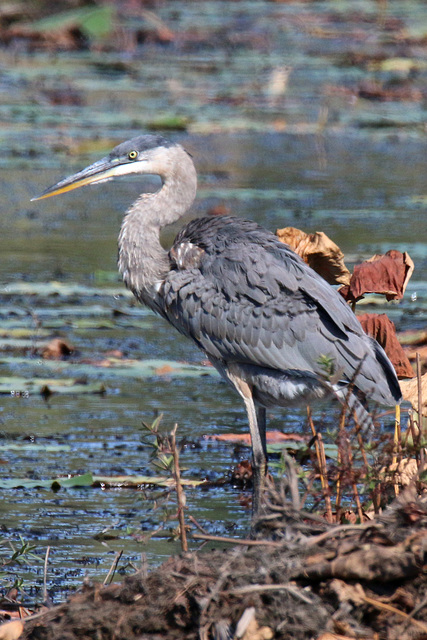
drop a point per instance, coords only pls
(143, 262)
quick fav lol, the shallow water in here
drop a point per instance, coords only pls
(260, 156)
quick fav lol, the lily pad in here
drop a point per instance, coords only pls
(22, 387)
(331, 450)
(90, 480)
(54, 288)
(106, 368)
(32, 446)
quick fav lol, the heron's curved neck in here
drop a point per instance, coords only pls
(142, 261)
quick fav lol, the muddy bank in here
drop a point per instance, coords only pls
(307, 579)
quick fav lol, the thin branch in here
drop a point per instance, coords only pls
(414, 612)
(46, 559)
(238, 541)
(421, 434)
(112, 571)
(259, 588)
(387, 607)
(339, 529)
(197, 524)
(321, 461)
(179, 491)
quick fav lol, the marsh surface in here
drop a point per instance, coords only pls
(270, 102)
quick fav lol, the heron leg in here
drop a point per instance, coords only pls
(257, 429)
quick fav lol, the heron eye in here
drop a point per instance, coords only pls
(132, 155)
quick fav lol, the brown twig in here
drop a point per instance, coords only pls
(396, 446)
(414, 612)
(179, 491)
(354, 485)
(46, 559)
(321, 461)
(361, 445)
(259, 588)
(421, 434)
(112, 571)
(340, 455)
(197, 524)
(339, 529)
(325, 487)
(238, 541)
(387, 607)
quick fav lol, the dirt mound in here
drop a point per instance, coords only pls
(309, 578)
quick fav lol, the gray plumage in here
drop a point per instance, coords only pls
(265, 320)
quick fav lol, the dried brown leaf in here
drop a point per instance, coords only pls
(403, 472)
(11, 630)
(245, 438)
(57, 349)
(319, 252)
(386, 274)
(410, 392)
(380, 327)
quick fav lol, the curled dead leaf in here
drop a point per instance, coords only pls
(382, 329)
(386, 274)
(319, 252)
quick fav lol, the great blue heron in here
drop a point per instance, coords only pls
(266, 321)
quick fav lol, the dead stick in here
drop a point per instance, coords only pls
(254, 588)
(421, 434)
(46, 559)
(320, 453)
(179, 492)
(197, 524)
(360, 441)
(112, 571)
(244, 542)
(396, 447)
(414, 612)
(314, 540)
(340, 457)
(397, 440)
(328, 503)
(354, 484)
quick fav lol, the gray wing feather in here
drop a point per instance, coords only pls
(252, 300)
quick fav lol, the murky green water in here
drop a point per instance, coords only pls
(305, 156)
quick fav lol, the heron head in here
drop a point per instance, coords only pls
(148, 155)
